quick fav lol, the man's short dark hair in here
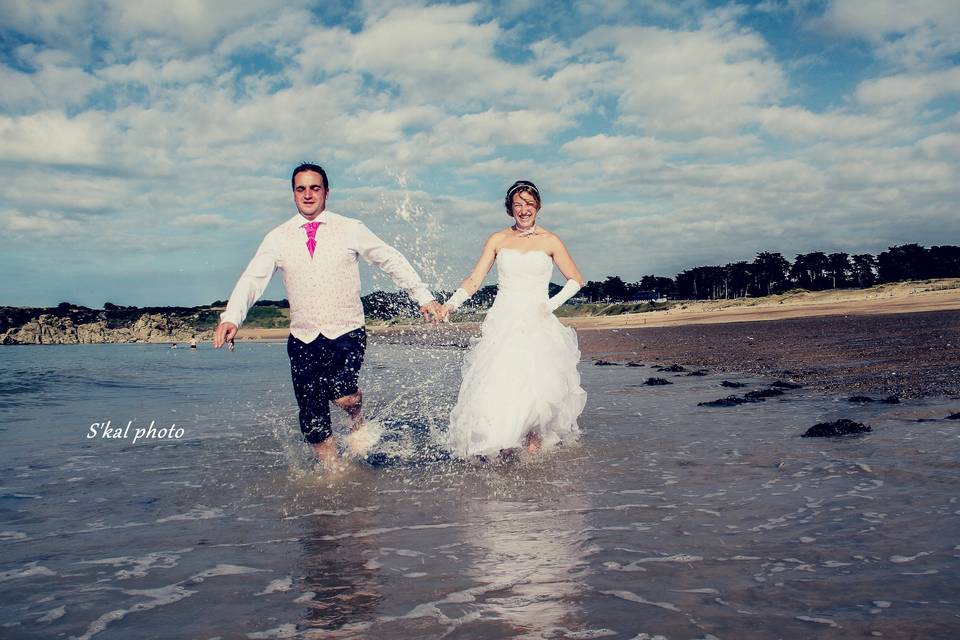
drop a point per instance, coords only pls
(306, 166)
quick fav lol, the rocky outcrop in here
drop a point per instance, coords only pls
(149, 327)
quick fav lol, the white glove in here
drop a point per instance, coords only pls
(569, 290)
(458, 298)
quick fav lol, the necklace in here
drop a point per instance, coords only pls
(527, 233)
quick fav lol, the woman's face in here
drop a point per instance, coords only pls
(525, 210)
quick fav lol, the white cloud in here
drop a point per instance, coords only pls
(941, 146)
(707, 80)
(522, 126)
(51, 137)
(68, 23)
(194, 24)
(798, 124)
(905, 32)
(54, 82)
(910, 90)
(202, 221)
(649, 149)
(438, 54)
(178, 71)
(45, 224)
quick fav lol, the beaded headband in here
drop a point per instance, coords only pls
(523, 185)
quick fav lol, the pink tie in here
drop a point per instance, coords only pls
(311, 228)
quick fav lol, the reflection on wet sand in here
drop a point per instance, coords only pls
(339, 588)
(527, 562)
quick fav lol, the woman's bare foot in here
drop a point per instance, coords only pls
(533, 442)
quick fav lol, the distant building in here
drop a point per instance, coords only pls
(648, 296)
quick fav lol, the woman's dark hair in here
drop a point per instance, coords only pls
(306, 166)
(520, 186)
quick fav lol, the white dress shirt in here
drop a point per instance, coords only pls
(324, 291)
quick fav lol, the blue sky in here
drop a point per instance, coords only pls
(146, 147)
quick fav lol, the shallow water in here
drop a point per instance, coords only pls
(667, 519)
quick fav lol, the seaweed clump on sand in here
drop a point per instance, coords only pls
(841, 427)
(780, 384)
(751, 396)
(729, 401)
(762, 394)
(867, 399)
(732, 385)
(674, 368)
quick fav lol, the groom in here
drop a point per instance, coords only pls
(317, 251)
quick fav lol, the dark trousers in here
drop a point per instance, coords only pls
(324, 370)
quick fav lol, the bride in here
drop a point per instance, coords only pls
(520, 383)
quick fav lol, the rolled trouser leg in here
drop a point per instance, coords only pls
(312, 386)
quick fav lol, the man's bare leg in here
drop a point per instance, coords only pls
(326, 451)
(353, 405)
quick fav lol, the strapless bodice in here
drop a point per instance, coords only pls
(523, 274)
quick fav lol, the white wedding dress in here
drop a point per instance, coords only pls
(521, 375)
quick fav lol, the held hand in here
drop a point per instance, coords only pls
(432, 312)
(445, 311)
(224, 333)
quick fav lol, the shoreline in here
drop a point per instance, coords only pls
(894, 342)
(900, 339)
(900, 298)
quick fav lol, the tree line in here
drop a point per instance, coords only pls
(771, 273)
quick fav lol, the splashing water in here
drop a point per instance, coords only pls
(420, 239)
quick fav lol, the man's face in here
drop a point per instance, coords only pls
(309, 194)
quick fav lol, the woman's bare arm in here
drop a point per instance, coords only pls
(561, 257)
(482, 268)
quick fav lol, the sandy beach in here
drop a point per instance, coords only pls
(901, 339)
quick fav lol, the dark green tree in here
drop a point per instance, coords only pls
(944, 261)
(770, 272)
(904, 262)
(592, 291)
(838, 269)
(863, 270)
(739, 277)
(809, 270)
(614, 288)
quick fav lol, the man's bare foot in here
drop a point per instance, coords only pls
(326, 451)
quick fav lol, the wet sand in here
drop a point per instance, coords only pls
(911, 354)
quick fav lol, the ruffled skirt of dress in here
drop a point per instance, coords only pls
(521, 375)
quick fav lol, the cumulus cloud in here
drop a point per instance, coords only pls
(711, 79)
(905, 32)
(796, 123)
(51, 137)
(910, 90)
(685, 131)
